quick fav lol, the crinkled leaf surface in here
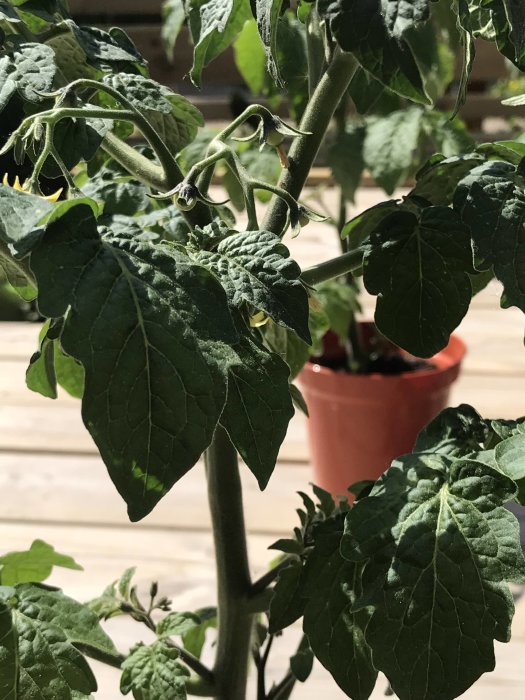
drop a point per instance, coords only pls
(214, 25)
(255, 267)
(401, 15)
(177, 624)
(179, 126)
(102, 48)
(418, 266)
(359, 27)
(491, 202)
(154, 673)
(267, 14)
(40, 632)
(437, 180)
(143, 93)
(154, 349)
(334, 629)
(29, 69)
(438, 548)
(259, 406)
(34, 565)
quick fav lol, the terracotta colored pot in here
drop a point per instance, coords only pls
(359, 423)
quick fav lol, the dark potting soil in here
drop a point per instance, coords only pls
(390, 364)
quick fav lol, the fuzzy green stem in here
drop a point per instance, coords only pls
(233, 575)
(348, 262)
(316, 120)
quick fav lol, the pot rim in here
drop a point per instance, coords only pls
(447, 360)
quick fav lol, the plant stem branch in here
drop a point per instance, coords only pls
(316, 120)
(348, 262)
(233, 575)
(268, 578)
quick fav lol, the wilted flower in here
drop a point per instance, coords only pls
(186, 195)
(301, 216)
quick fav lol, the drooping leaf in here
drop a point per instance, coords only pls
(250, 57)
(155, 351)
(255, 267)
(42, 631)
(363, 225)
(17, 277)
(438, 549)
(154, 673)
(214, 25)
(491, 202)
(34, 565)
(287, 604)
(335, 631)
(510, 456)
(418, 266)
(259, 406)
(370, 96)
(301, 663)
(340, 303)
(173, 16)
(359, 27)
(29, 69)
(267, 13)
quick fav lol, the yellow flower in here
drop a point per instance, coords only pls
(25, 188)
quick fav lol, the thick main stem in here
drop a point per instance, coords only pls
(233, 574)
(316, 120)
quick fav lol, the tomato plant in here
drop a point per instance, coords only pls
(181, 332)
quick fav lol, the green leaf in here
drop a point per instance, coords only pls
(510, 456)
(267, 13)
(294, 351)
(70, 58)
(144, 93)
(259, 406)
(287, 604)
(179, 127)
(340, 303)
(177, 624)
(454, 432)
(390, 145)
(193, 639)
(263, 166)
(359, 27)
(438, 178)
(491, 202)
(34, 565)
(20, 215)
(401, 15)
(69, 373)
(418, 266)
(255, 267)
(250, 57)
(335, 630)
(154, 673)
(438, 549)
(117, 195)
(345, 157)
(301, 663)
(41, 632)
(27, 68)
(103, 48)
(155, 353)
(370, 96)
(17, 278)
(173, 16)
(40, 375)
(358, 229)
(214, 25)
